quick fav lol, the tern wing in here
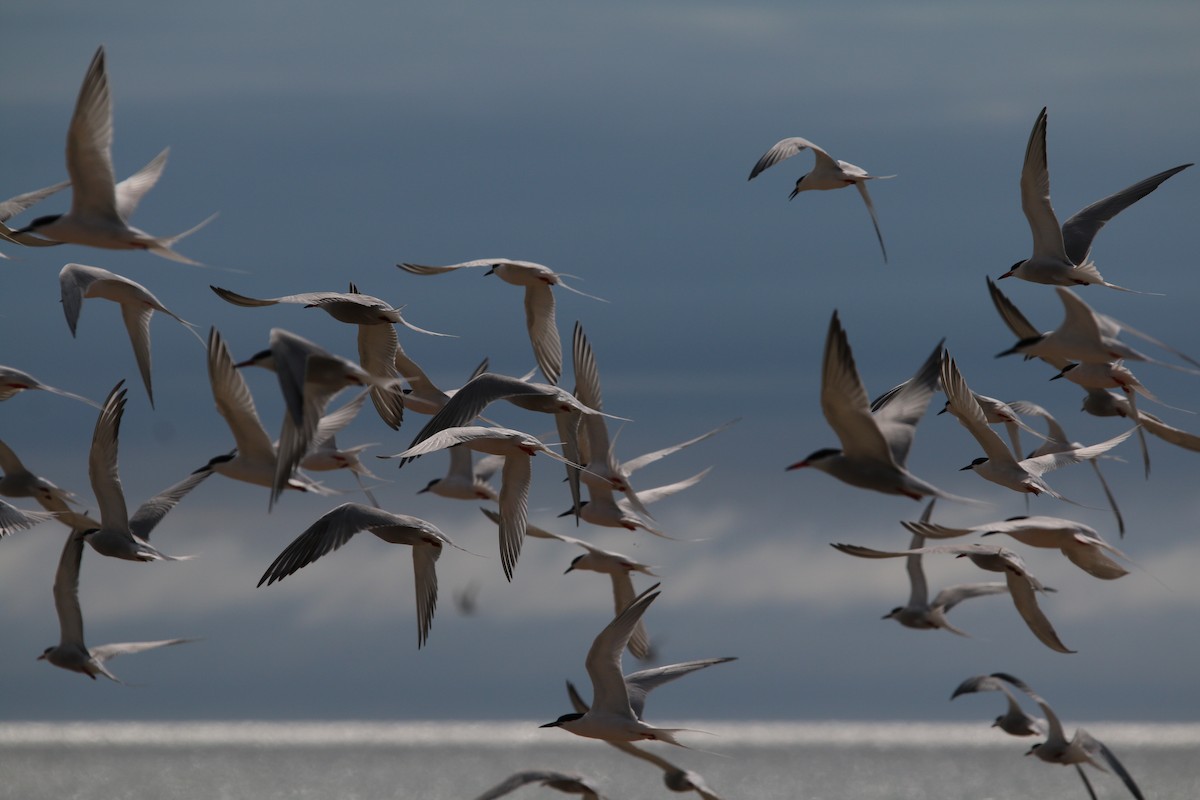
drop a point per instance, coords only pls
(377, 348)
(844, 400)
(543, 332)
(102, 462)
(1021, 587)
(1035, 195)
(15, 205)
(151, 512)
(515, 478)
(641, 683)
(234, 402)
(130, 191)
(425, 556)
(862, 189)
(66, 591)
(969, 413)
(898, 412)
(89, 147)
(610, 694)
(785, 149)
(1052, 461)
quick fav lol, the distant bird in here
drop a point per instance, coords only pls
(875, 439)
(13, 380)
(338, 526)
(117, 534)
(1111, 404)
(921, 613)
(537, 281)
(827, 173)
(561, 781)
(1014, 721)
(997, 412)
(518, 448)
(1060, 255)
(13, 519)
(15, 205)
(100, 207)
(676, 778)
(466, 480)
(618, 567)
(377, 341)
(604, 509)
(71, 653)
(999, 465)
(1021, 583)
(78, 281)
(618, 701)
(1082, 748)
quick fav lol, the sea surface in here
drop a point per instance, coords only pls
(377, 761)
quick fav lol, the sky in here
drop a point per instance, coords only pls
(611, 143)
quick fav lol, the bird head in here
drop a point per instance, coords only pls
(973, 464)
(559, 722)
(817, 458)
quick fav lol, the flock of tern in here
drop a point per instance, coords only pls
(875, 439)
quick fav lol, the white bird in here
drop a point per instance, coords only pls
(518, 449)
(1058, 441)
(1087, 336)
(999, 465)
(77, 281)
(561, 781)
(13, 519)
(617, 566)
(676, 778)
(921, 613)
(1022, 585)
(827, 173)
(309, 377)
(100, 207)
(117, 534)
(617, 700)
(465, 479)
(1060, 255)
(253, 459)
(13, 380)
(539, 302)
(338, 526)
(604, 509)
(377, 342)
(15, 205)
(19, 481)
(71, 653)
(1083, 748)
(875, 440)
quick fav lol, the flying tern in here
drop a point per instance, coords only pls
(13, 519)
(999, 465)
(827, 173)
(71, 653)
(537, 281)
(1060, 255)
(618, 700)
(875, 441)
(79, 281)
(19, 481)
(921, 613)
(338, 526)
(13, 380)
(676, 778)
(117, 534)
(466, 480)
(561, 781)
(518, 449)
(1022, 585)
(604, 509)
(100, 207)
(15, 205)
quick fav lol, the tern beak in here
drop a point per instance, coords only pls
(797, 465)
(964, 469)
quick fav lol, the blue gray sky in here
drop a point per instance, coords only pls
(609, 142)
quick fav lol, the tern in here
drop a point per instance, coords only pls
(999, 465)
(13, 519)
(875, 441)
(465, 479)
(13, 380)
(997, 412)
(78, 281)
(377, 342)
(1057, 441)
(563, 782)
(676, 778)
(1022, 585)
(618, 567)
(338, 526)
(19, 481)
(117, 534)
(253, 459)
(518, 449)
(71, 653)
(1060, 255)
(537, 281)
(309, 377)
(826, 173)
(604, 509)
(1082, 748)
(1111, 404)
(15, 205)
(921, 613)
(100, 207)
(618, 700)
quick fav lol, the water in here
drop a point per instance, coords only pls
(431, 761)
